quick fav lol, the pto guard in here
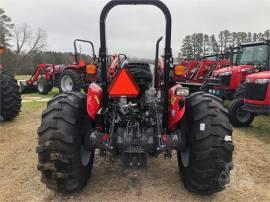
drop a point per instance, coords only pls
(94, 100)
(176, 112)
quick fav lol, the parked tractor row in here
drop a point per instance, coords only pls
(246, 83)
(131, 113)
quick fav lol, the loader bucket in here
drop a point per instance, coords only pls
(26, 88)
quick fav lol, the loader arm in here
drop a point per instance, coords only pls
(36, 73)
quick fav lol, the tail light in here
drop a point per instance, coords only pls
(123, 85)
(91, 69)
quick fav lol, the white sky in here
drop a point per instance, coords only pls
(134, 30)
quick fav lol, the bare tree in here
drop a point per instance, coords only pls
(28, 43)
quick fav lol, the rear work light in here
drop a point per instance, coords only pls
(123, 85)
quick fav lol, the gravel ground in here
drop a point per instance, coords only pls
(20, 180)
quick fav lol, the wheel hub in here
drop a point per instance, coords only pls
(40, 87)
(242, 115)
(66, 83)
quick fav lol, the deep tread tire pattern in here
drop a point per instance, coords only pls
(209, 139)
(60, 137)
(10, 96)
(234, 106)
(76, 79)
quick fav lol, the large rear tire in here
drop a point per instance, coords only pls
(238, 116)
(10, 97)
(70, 80)
(206, 163)
(63, 159)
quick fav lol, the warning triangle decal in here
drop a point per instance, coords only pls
(123, 85)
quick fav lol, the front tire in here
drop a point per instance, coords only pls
(63, 159)
(238, 116)
(44, 86)
(10, 97)
(206, 163)
(70, 80)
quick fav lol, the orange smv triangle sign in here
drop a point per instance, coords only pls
(123, 85)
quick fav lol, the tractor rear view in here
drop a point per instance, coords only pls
(126, 115)
(10, 97)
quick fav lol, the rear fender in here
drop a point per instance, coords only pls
(94, 100)
(176, 110)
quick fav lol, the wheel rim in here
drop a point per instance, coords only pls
(40, 87)
(66, 83)
(85, 156)
(242, 115)
(185, 157)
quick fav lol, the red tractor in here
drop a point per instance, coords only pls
(197, 72)
(10, 97)
(71, 77)
(254, 101)
(227, 82)
(126, 116)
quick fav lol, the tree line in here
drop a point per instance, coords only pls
(198, 45)
(21, 42)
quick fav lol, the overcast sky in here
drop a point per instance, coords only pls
(134, 29)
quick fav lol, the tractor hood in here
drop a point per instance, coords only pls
(242, 68)
(260, 75)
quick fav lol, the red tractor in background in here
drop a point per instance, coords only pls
(125, 115)
(254, 101)
(70, 77)
(10, 97)
(197, 72)
(226, 82)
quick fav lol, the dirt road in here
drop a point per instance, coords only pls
(20, 180)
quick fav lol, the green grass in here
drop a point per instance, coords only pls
(51, 94)
(260, 128)
(29, 107)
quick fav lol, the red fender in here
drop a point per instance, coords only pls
(176, 112)
(94, 100)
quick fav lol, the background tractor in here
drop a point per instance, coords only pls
(10, 97)
(125, 115)
(254, 101)
(227, 83)
(67, 77)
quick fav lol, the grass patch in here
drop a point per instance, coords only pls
(260, 128)
(51, 94)
(32, 106)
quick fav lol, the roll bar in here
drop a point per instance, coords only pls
(76, 51)
(167, 54)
